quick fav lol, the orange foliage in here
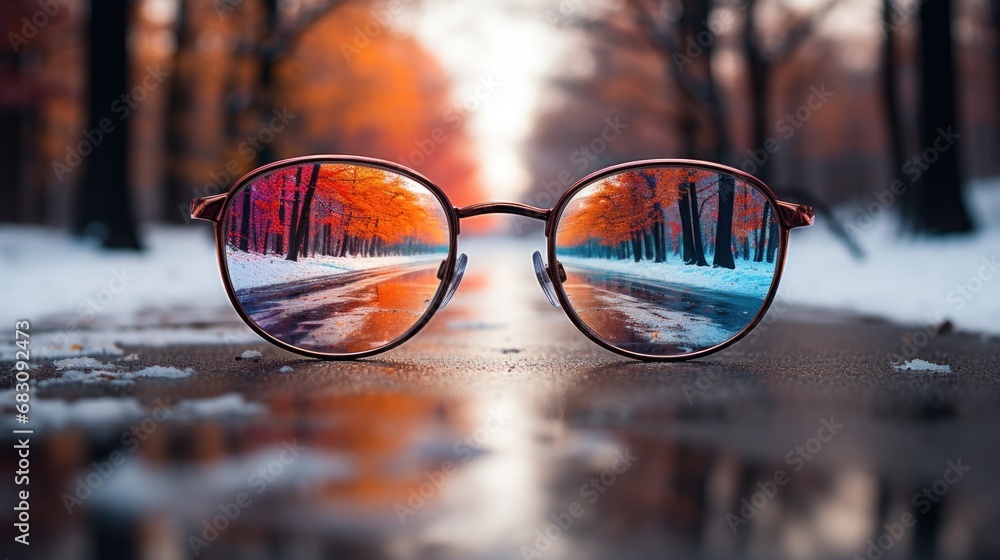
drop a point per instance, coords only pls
(612, 210)
(388, 99)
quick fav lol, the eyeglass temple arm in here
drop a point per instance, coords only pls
(208, 208)
(795, 215)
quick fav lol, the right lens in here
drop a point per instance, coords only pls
(336, 258)
(668, 260)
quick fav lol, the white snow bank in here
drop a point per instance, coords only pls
(82, 283)
(919, 281)
(749, 278)
(250, 271)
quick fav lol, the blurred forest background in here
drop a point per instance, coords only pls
(117, 113)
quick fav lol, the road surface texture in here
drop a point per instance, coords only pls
(501, 432)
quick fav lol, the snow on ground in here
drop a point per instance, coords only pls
(923, 365)
(48, 273)
(108, 341)
(251, 355)
(82, 362)
(749, 278)
(917, 282)
(99, 372)
(251, 271)
(83, 301)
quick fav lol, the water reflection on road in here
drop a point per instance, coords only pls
(500, 432)
(655, 318)
(348, 312)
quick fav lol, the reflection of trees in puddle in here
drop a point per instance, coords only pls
(383, 437)
(642, 317)
(346, 313)
(678, 494)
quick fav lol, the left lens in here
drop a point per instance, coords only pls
(669, 260)
(335, 258)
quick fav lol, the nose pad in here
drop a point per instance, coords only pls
(542, 273)
(456, 279)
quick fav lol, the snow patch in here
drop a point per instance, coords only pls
(286, 369)
(250, 355)
(923, 365)
(113, 376)
(81, 362)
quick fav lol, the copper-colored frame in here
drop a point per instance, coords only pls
(213, 208)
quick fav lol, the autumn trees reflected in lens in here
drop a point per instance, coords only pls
(668, 260)
(336, 258)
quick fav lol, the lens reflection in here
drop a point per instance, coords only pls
(335, 258)
(668, 260)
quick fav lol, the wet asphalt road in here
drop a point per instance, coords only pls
(501, 432)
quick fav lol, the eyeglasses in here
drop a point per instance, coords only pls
(341, 257)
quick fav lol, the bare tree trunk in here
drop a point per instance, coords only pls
(696, 17)
(940, 206)
(762, 234)
(699, 249)
(175, 195)
(724, 235)
(890, 93)
(687, 242)
(245, 220)
(104, 206)
(298, 241)
(759, 72)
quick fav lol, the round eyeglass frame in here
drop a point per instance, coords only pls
(564, 200)
(449, 266)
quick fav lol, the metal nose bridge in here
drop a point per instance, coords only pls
(504, 208)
